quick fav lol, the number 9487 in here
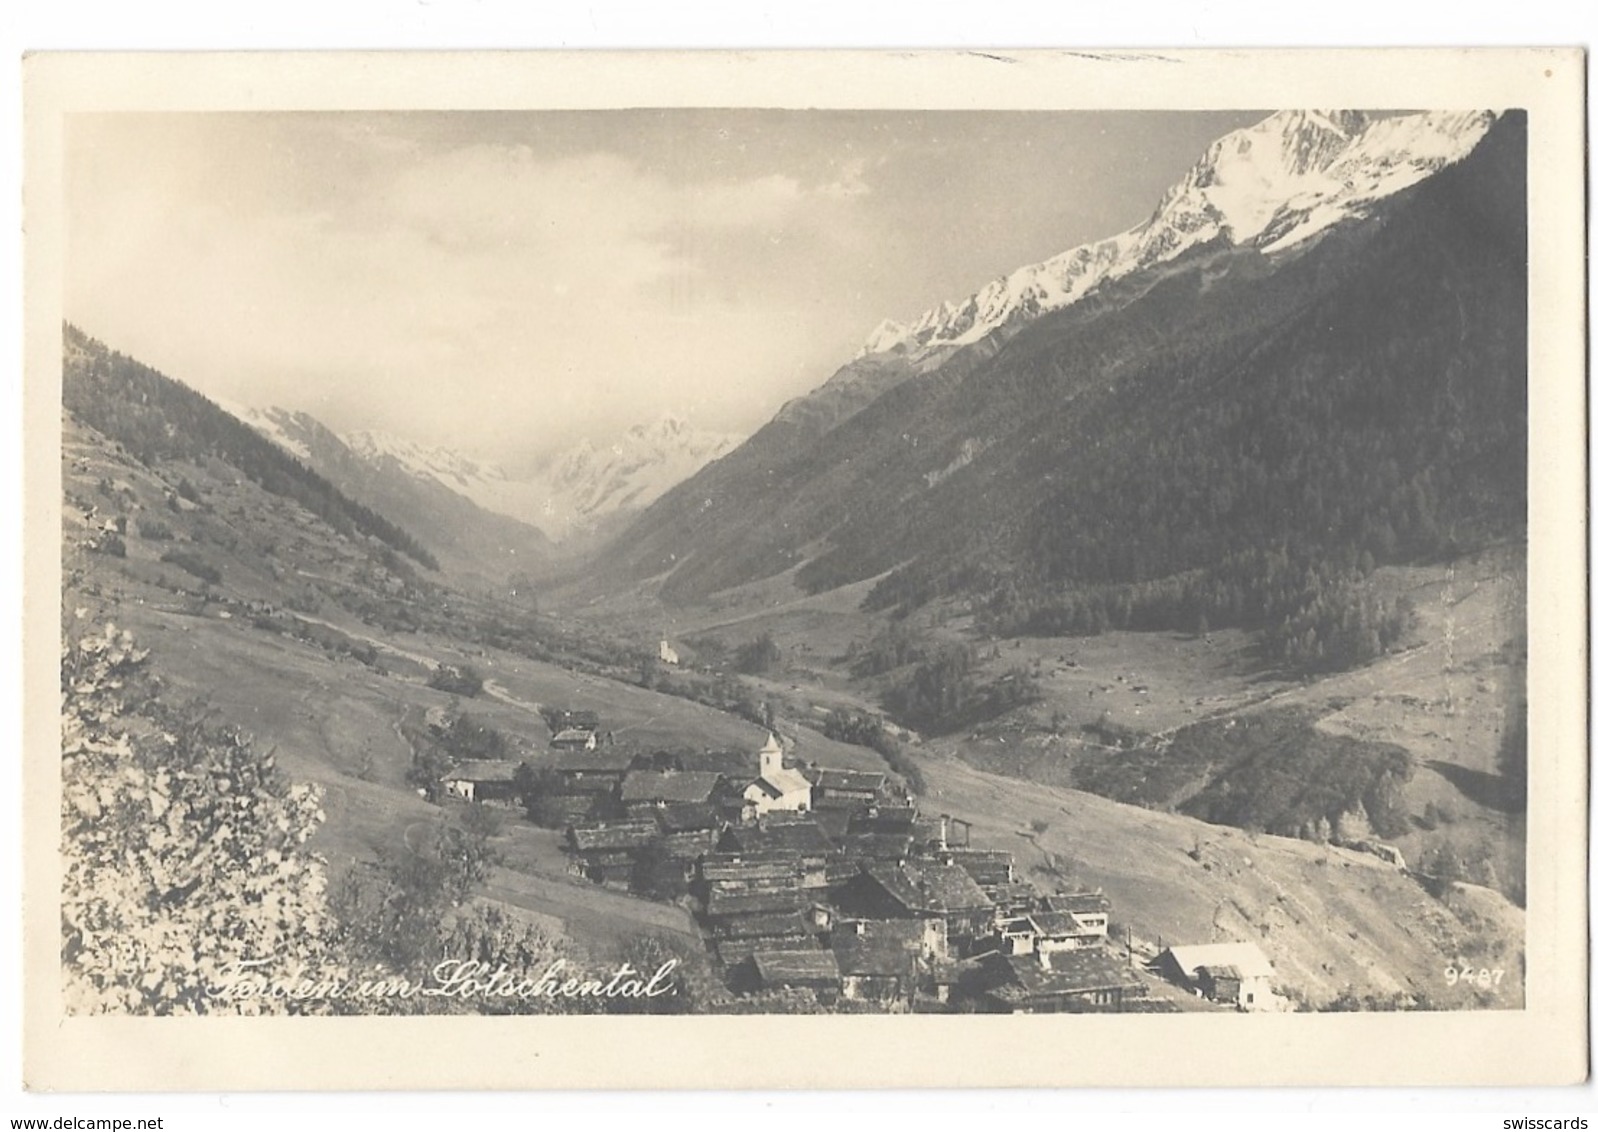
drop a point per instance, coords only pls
(1486, 978)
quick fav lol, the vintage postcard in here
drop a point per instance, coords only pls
(955, 568)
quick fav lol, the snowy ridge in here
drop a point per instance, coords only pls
(1271, 186)
(590, 482)
(280, 426)
(569, 495)
(450, 468)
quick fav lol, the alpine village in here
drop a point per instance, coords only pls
(1176, 666)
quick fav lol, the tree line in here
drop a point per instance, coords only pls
(156, 418)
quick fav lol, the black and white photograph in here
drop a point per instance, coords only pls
(783, 559)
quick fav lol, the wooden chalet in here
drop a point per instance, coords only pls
(1235, 973)
(591, 772)
(736, 939)
(927, 834)
(1061, 931)
(988, 867)
(608, 851)
(1015, 899)
(588, 783)
(574, 739)
(812, 970)
(923, 890)
(1093, 980)
(1090, 909)
(880, 961)
(835, 789)
(683, 852)
(562, 719)
(645, 791)
(796, 835)
(688, 817)
(883, 819)
(740, 884)
(875, 846)
(1043, 933)
(686, 849)
(490, 781)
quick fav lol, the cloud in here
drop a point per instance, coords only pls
(460, 294)
(850, 185)
(507, 282)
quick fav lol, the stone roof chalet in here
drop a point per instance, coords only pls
(573, 737)
(481, 770)
(1070, 973)
(804, 838)
(1078, 903)
(608, 761)
(863, 781)
(1057, 925)
(644, 786)
(606, 836)
(878, 947)
(796, 968)
(930, 888)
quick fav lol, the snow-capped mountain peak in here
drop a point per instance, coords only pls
(453, 470)
(1271, 185)
(589, 482)
(287, 429)
(574, 490)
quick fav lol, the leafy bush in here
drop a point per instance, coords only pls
(183, 850)
(894, 647)
(942, 694)
(462, 680)
(1270, 771)
(194, 564)
(539, 789)
(461, 738)
(759, 655)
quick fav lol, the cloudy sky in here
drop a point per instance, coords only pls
(506, 283)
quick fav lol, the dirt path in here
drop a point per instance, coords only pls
(497, 690)
(426, 662)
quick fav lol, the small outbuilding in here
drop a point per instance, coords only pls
(574, 739)
(491, 781)
(1236, 973)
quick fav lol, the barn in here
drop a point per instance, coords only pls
(1236, 973)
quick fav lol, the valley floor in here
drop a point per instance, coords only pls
(1335, 922)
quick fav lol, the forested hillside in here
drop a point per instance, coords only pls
(1236, 442)
(156, 418)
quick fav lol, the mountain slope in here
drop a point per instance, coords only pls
(160, 419)
(1271, 186)
(587, 486)
(472, 543)
(1360, 390)
(580, 491)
